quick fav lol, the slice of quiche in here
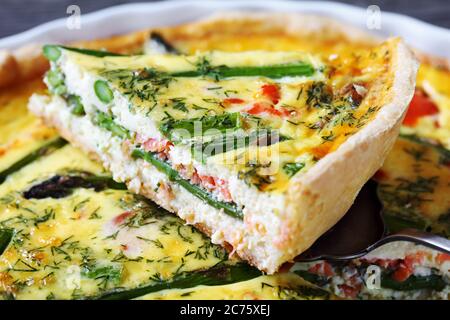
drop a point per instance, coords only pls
(263, 151)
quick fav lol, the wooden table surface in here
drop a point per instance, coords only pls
(20, 15)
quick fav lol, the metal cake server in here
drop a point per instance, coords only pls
(362, 230)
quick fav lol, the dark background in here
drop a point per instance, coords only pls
(20, 15)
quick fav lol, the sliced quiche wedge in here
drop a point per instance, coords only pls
(263, 151)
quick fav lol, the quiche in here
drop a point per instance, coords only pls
(251, 147)
(419, 272)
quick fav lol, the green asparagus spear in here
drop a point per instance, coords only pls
(42, 151)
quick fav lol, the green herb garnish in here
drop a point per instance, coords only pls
(106, 274)
(291, 168)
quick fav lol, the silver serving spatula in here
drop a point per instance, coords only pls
(363, 229)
